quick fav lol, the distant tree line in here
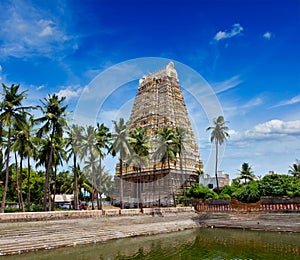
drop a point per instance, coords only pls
(248, 188)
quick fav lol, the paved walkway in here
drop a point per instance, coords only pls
(30, 236)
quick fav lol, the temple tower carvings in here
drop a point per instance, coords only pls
(159, 103)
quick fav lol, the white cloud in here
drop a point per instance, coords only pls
(236, 29)
(291, 101)
(46, 31)
(69, 92)
(268, 35)
(220, 87)
(28, 31)
(274, 128)
(40, 87)
(253, 102)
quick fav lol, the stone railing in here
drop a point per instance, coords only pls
(52, 215)
(265, 204)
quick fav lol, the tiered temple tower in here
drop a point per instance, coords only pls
(159, 103)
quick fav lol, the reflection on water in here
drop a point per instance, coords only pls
(190, 244)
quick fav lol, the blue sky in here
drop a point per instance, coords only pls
(247, 51)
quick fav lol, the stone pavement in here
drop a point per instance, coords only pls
(21, 237)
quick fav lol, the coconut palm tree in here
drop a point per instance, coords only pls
(91, 171)
(59, 156)
(218, 136)
(30, 152)
(295, 169)
(47, 144)
(19, 144)
(89, 150)
(166, 150)
(11, 110)
(107, 184)
(246, 173)
(103, 141)
(139, 142)
(120, 146)
(54, 121)
(74, 141)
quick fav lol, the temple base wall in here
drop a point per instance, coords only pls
(152, 188)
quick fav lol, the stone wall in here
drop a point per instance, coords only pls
(52, 215)
(265, 204)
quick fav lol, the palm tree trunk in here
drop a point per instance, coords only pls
(121, 184)
(137, 188)
(100, 184)
(47, 188)
(100, 200)
(54, 189)
(21, 184)
(6, 172)
(216, 169)
(93, 197)
(17, 180)
(28, 184)
(75, 182)
(97, 198)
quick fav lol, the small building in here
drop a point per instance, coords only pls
(64, 201)
(210, 181)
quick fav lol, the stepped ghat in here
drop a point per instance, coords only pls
(159, 103)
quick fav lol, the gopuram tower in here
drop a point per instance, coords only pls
(159, 104)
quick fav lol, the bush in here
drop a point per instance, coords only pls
(197, 191)
(224, 196)
(278, 185)
(227, 191)
(11, 210)
(248, 193)
(36, 208)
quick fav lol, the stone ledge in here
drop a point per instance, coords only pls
(53, 215)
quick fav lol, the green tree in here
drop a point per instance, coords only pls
(166, 147)
(24, 145)
(11, 111)
(180, 145)
(90, 152)
(59, 156)
(139, 142)
(166, 150)
(246, 173)
(218, 136)
(278, 185)
(74, 141)
(295, 169)
(197, 191)
(121, 146)
(54, 122)
(103, 142)
(248, 193)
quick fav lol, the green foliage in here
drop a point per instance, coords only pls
(180, 199)
(11, 210)
(246, 173)
(224, 196)
(227, 190)
(248, 193)
(197, 191)
(278, 185)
